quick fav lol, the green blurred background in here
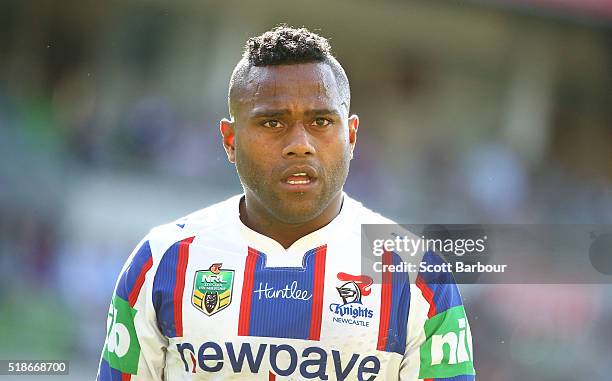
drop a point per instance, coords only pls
(471, 112)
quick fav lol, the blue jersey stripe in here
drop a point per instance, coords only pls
(398, 321)
(106, 373)
(131, 273)
(278, 313)
(445, 290)
(164, 284)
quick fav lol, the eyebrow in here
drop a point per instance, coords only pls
(269, 113)
(274, 113)
(322, 111)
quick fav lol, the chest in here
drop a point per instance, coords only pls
(231, 297)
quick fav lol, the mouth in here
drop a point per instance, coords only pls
(299, 178)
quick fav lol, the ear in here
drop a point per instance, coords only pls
(353, 125)
(227, 131)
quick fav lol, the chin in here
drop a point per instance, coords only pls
(298, 212)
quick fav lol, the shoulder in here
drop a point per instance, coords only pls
(363, 215)
(375, 226)
(356, 219)
(210, 221)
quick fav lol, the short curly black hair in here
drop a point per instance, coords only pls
(285, 45)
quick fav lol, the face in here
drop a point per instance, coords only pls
(291, 139)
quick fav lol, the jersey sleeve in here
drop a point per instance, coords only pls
(439, 344)
(134, 348)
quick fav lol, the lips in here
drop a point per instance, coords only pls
(299, 175)
(298, 178)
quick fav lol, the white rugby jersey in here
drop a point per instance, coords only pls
(207, 298)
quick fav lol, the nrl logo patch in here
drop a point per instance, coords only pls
(212, 289)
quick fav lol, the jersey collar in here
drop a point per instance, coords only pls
(293, 256)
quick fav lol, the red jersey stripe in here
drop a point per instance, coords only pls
(247, 293)
(386, 298)
(317, 293)
(181, 268)
(428, 294)
(139, 281)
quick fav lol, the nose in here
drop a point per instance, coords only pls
(298, 142)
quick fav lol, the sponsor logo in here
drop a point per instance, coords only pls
(351, 310)
(282, 359)
(122, 349)
(447, 350)
(212, 289)
(288, 292)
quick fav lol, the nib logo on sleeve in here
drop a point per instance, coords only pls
(447, 351)
(122, 349)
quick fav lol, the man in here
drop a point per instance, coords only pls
(268, 285)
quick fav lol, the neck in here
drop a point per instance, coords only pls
(259, 219)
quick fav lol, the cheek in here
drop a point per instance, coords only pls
(246, 156)
(246, 147)
(338, 146)
(252, 161)
(337, 159)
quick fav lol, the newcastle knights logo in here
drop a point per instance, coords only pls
(355, 287)
(352, 311)
(212, 289)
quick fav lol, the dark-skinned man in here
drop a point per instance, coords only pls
(268, 284)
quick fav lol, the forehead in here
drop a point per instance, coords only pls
(294, 87)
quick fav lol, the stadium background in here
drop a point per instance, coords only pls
(471, 111)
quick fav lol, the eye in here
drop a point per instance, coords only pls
(272, 124)
(321, 122)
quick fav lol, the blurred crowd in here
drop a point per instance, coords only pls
(469, 114)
